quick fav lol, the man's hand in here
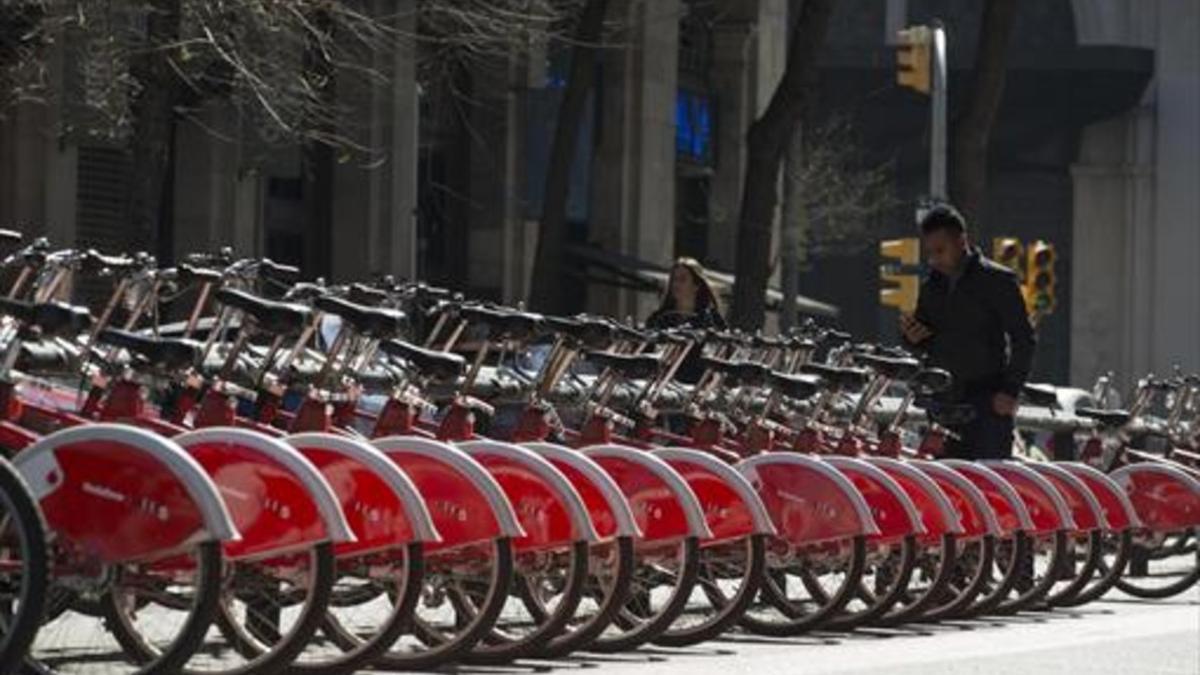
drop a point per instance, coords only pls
(914, 331)
(1004, 405)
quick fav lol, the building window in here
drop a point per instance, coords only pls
(694, 127)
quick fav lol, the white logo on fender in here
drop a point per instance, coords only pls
(103, 492)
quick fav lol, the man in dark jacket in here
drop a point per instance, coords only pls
(971, 320)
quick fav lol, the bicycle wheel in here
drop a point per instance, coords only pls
(934, 569)
(23, 566)
(785, 607)
(1080, 563)
(558, 578)
(662, 583)
(152, 616)
(970, 576)
(269, 611)
(443, 631)
(371, 606)
(1114, 550)
(729, 579)
(888, 569)
(1037, 572)
(1002, 575)
(610, 572)
(1157, 577)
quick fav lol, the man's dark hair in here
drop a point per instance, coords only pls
(943, 218)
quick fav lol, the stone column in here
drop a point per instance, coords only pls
(374, 215)
(633, 203)
(749, 55)
(1136, 288)
(497, 243)
(1110, 302)
(37, 165)
(1175, 324)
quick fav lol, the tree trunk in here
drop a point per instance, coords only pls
(766, 140)
(317, 165)
(794, 224)
(973, 130)
(151, 145)
(547, 290)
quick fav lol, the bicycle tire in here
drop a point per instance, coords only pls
(20, 624)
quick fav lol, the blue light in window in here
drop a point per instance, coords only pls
(693, 126)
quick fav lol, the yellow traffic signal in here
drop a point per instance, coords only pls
(913, 63)
(900, 288)
(1039, 278)
(1009, 252)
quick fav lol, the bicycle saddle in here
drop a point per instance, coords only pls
(1106, 418)
(589, 332)
(283, 274)
(94, 262)
(1042, 395)
(372, 322)
(368, 295)
(629, 366)
(851, 379)
(191, 274)
(504, 324)
(43, 358)
(931, 381)
(165, 353)
(797, 387)
(283, 318)
(889, 367)
(54, 319)
(440, 366)
(747, 373)
(739, 372)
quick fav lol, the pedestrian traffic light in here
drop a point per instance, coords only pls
(1039, 278)
(900, 287)
(913, 64)
(1009, 252)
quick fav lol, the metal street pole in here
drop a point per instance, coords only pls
(937, 159)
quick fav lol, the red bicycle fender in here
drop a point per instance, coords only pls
(548, 507)
(1047, 507)
(382, 506)
(14, 438)
(663, 505)
(1006, 503)
(809, 501)
(607, 508)
(895, 513)
(975, 514)
(1085, 508)
(731, 507)
(156, 425)
(257, 427)
(937, 512)
(466, 503)
(1118, 511)
(279, 501)
(123, 494)
(1165, 498)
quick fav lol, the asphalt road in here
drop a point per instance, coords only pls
(1118, 636)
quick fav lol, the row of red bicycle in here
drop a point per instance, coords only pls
(303, 477)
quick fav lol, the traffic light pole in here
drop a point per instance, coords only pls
(937, 154)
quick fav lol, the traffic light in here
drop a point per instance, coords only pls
(913, 64)
(1039, 278)
(900, 287)
(1009, 252)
